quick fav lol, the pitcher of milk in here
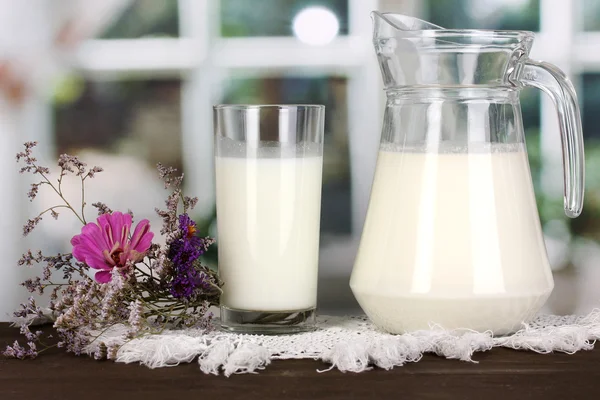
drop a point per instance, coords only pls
(452, 235)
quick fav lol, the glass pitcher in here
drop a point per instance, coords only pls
(452, 235)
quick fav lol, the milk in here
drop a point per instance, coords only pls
(452, 238)
(268, 213)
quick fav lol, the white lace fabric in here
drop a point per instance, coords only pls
(347, 343)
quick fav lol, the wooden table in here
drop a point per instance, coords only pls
(500, 374)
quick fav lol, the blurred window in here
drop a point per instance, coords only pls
(485, 14)
(590, 84)
(141, 113)
(140, 117)
(591, 14)
(145, 18)
(530, 108)
(587, 224)
(243, 18)
(125, 126)
(147, 114)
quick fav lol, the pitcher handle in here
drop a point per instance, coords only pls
(552, 81)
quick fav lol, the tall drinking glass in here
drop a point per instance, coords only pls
(268, 162)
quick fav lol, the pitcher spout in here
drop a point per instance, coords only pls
(389, 24)
(413, 52)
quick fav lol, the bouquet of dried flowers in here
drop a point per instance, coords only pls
(139, 284)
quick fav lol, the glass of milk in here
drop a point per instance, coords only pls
(268, 163)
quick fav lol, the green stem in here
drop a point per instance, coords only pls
(46, 347)
(59, 193)
(165, 324)
(54, 284)
(83, 199)
(169, 314)
(216, 287)
(100, 334)
(159, 308)
(149, 268)
(142, 272)
(52, 208)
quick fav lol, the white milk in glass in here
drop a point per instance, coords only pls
(268, 212)
(452, 238)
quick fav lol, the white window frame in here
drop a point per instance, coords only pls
(574, 51)
(204, 59)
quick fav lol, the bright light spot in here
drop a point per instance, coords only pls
(316, 26)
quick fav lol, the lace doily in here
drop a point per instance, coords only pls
(347, 343)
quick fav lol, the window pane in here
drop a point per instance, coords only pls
(120, 116)
(588, 224)
(241, 18)
(485, 14)
(126, 127)
(330, 91)
(145, 18)
(590, 92)
(591, 14)
(551, 206)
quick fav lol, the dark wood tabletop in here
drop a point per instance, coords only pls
(500, 374)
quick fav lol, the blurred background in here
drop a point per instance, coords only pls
(128, 83)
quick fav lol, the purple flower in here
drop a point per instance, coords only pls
(183, 252)
(20, 352)
(107, 243)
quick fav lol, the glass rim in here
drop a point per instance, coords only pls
(488, 33)
(442, 32)
(267, 106)
(514, 37)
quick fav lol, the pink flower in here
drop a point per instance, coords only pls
(108, 244)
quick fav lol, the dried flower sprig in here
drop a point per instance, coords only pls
(138, 284)
(68, 165)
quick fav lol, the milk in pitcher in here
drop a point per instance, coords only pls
(452, 238)
(452, 235)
